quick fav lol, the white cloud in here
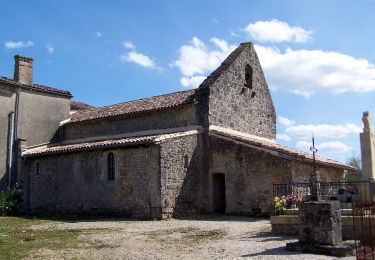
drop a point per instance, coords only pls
(306, 72)
(193, 82)
(50, 48)
(138, 58)
(323, 130)
(335, 147)
(277, 31)
(99, 34)
(197, 59)
(18, 45)
(283, 137)
(129, 45)
(284, 121)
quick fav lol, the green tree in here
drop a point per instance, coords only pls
(354, 161)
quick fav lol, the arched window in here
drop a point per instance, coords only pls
(248, 77)
(111, 166)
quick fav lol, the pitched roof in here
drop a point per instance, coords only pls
(77, 105)
(36, 87)
(58, 148)
(142, 105)
(271, 145)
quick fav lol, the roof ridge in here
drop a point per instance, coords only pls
(154, 103)
(145, 98)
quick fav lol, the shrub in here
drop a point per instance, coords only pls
(8, 201)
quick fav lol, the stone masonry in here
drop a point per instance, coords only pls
(320, 222)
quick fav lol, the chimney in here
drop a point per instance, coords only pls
(23, 69)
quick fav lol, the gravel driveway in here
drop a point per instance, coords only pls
(202, 237)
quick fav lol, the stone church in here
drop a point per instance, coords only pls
(211, 149)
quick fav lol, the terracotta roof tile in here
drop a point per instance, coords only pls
(142, 105)
(271, 145)
(58, 148)
(36, 87)
(76, 105)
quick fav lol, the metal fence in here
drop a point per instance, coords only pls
(345, 192)
(364, 230)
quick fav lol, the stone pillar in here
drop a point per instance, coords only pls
(320, 223)
(315, 186)
(367, 149)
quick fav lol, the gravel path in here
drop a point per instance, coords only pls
(202, 237)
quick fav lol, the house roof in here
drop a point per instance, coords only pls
(58, 148)
(142, 105)
(36, 87)
(77, 105)
(271, 145)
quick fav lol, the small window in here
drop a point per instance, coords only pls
(37, 169)
(186, 161)
(253, 94)
(111, 166)
(248, 77)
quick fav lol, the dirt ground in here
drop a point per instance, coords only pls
(202, 237)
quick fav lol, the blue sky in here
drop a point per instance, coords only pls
(317, 56)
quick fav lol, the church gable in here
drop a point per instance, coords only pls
(239, 97)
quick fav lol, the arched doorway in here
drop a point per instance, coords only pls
(218, 191)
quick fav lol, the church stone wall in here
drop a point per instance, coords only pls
(181, 172)
(78, 183)
(250, 174)
(239, 107)
(301, 172)
(178, 117)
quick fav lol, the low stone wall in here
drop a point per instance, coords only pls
(288, 225)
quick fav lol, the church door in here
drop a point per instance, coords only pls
(219, 193)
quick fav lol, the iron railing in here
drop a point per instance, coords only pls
(345, 192)
(364, 230)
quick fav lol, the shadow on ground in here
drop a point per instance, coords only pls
(273, 251)
(267, 235)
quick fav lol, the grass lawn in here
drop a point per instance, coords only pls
(18, 240)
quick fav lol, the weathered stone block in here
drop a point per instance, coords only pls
(320, 222)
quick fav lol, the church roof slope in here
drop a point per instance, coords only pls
(36, 87)
(58, 148)
(142, 105)
(271, 145)
(77, 105)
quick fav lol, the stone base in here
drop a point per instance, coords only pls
(346, 248)
(289, 225)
